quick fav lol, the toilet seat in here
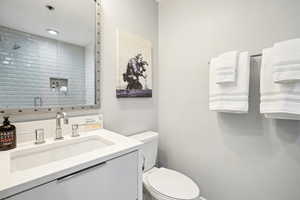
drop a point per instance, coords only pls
(166, 184)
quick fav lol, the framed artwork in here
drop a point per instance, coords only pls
(134, 66)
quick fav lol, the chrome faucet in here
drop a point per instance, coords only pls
(58, 132)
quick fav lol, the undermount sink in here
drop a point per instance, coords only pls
(41, 155)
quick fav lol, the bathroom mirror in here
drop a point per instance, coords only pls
(49, 55)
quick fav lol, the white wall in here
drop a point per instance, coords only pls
(232, 157)
(139, 17)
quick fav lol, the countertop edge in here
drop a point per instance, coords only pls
(22, 187)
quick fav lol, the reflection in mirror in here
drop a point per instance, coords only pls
(47, 53)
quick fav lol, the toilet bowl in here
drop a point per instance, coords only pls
(166, 184)
(163, 183)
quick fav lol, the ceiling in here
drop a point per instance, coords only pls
(74, 19)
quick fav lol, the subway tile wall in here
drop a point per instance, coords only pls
(26, 64)
(90, 74)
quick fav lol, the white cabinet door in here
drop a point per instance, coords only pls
(116, 179)
(43, 192)
(113, 180)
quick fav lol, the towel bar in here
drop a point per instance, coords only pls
(252, 56)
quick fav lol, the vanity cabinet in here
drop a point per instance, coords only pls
(115, 179)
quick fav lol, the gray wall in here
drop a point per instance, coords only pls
(139, 17)
(232, 157)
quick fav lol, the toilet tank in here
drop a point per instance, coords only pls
(149, 148)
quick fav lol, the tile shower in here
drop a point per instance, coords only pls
(34, 60)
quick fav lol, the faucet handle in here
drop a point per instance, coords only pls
(75, 131)
(66, 121)
(39, 136)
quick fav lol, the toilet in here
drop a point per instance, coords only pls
(163, 183)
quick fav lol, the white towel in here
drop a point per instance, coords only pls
(277, 100)
(286, 61)
(230, 97)
(226, 65)
(282, 116)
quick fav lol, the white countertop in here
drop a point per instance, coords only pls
(15, 182)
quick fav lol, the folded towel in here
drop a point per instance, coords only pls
(277, 100)
(230, 97)
(226, 65)
(286, 61)
(283, 116)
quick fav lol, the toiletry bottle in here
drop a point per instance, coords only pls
(8, 138)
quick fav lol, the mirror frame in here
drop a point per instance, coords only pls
(97, 105)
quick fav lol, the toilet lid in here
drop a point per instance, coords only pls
(173, 184)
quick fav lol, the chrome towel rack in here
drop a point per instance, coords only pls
(251, 56)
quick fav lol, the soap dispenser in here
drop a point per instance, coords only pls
(8, 138)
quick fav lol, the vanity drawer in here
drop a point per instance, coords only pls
(111, 180)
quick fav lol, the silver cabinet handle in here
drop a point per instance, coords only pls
(75, 131)
(80, 172)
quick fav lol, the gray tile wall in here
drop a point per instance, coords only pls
(90, 74)
(28, 61)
